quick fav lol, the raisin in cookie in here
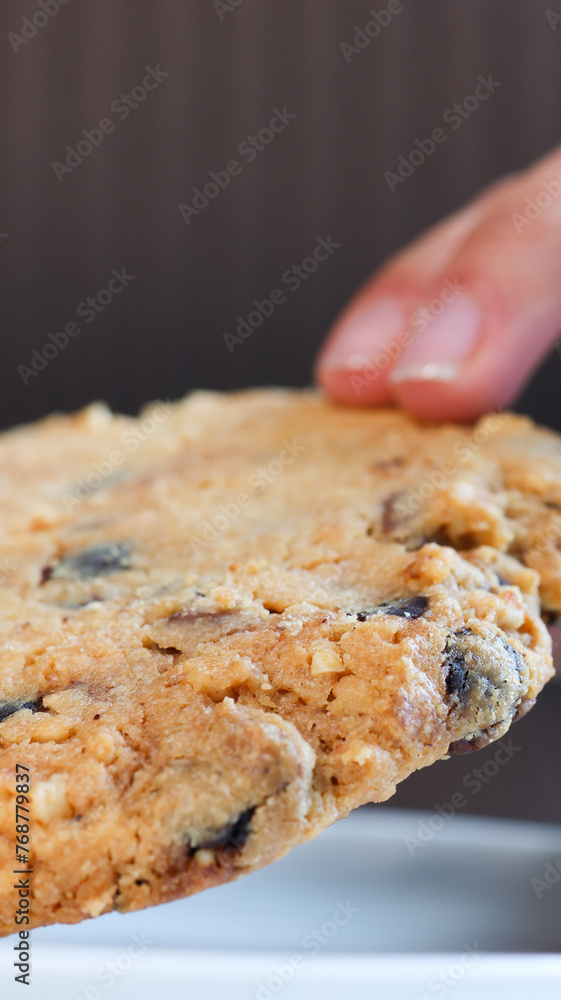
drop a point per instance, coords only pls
(231, 621)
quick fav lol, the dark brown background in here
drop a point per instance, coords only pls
(323, 175)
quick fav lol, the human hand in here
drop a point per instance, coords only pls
(454, 325)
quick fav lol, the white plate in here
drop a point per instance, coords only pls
(409, 903)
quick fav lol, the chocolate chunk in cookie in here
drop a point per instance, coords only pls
(16, 706)
(231, 837)
(408, 607)
(98, 560)
(483, 678)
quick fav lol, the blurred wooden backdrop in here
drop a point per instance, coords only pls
(323, 175)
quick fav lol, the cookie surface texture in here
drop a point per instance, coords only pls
(229, 622)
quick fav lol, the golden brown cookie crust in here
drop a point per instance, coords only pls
(228, 623)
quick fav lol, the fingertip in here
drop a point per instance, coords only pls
(359, 385)
(456, 401)
(354, 363)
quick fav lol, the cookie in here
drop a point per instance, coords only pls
(226, 624)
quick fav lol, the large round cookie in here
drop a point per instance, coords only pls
(228, 623)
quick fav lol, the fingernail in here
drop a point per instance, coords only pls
(439, 352)
(363, 336)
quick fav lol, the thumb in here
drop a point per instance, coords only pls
(456, 325)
